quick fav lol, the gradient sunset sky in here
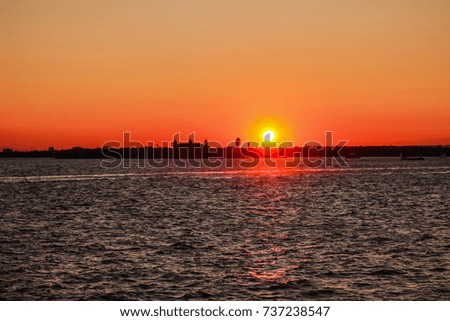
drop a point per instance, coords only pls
(83, 72)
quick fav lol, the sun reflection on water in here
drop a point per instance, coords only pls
(267, 243)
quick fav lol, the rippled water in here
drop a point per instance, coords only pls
(379, 229)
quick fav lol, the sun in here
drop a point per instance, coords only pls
(268, 136)
(269, 131)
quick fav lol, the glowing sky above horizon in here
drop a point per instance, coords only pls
(83, 72)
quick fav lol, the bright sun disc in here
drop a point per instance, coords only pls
(268, 136)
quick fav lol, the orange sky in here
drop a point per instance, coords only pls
(82, 72)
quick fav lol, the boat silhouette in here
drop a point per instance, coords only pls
(352, 155)
(404, 157)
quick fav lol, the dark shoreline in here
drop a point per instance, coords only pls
(200, 152)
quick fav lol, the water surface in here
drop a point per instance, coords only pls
(378, 230)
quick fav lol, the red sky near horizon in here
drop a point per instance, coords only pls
(81, 73)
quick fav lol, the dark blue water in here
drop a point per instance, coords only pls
(378, 230)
